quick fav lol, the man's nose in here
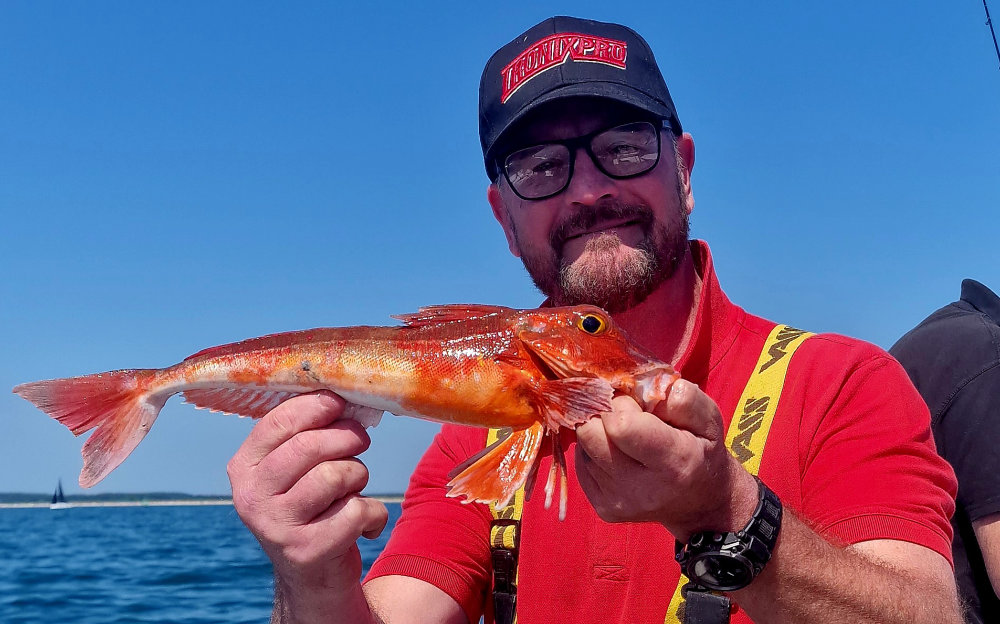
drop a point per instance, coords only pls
(589, 184)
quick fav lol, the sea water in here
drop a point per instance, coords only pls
(178, 564)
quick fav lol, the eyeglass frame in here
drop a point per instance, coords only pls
(584, 141)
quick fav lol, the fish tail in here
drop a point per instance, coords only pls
(494, 475)
(121, 405)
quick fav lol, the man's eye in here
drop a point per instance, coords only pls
(546, 167)
(625, 153)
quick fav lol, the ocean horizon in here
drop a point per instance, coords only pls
(101, 563)
(18, 500)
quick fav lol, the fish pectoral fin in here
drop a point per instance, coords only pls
(494, 475)
(573, 401)
(252, 402)
(432, 315)
(503, 434)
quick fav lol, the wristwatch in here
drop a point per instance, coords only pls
(728, 561)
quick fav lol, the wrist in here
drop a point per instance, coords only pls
(738, 496)
(743, 500)
(305, 601)
(732, 560)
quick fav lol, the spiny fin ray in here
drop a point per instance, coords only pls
(432, 315)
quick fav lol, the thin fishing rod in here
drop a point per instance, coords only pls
(989, 22)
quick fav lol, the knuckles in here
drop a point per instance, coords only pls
(342, 475)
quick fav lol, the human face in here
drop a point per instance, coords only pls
(603, 241)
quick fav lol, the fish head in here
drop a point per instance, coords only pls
(583, 341)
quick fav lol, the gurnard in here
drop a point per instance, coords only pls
(529, 371)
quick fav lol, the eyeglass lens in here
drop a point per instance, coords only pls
(621, 152)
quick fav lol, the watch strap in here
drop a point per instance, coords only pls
(752, 545)
(704, 607)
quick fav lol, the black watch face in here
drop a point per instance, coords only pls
(720, 572)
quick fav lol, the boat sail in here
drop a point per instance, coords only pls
(58, 499)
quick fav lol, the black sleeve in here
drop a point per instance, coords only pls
(969, 434)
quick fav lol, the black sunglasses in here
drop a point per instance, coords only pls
(544, 170)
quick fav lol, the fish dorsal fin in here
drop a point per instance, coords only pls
(431, 315)
(252, 402)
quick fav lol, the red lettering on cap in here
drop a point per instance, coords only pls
(555, 50)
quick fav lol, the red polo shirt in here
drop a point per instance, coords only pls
(850, 450)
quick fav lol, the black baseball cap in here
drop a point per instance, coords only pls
(568, 57)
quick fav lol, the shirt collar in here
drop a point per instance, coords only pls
(716, 322)
(981, 298)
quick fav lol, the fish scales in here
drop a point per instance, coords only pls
(531, 371)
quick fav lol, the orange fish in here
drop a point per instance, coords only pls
(532, 371)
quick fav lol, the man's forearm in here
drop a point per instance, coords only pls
(810, 580)
(299, 606)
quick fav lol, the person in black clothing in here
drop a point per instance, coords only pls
(953, 358)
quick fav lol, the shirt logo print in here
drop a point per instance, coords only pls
(778, 349)
(750, 421)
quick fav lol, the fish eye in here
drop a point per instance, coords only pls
(592, 324)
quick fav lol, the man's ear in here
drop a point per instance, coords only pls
(502, 215)
(685, 152)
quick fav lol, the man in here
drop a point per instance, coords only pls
(953, 358)
(591, 183)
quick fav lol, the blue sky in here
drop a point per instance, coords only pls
(179, 175)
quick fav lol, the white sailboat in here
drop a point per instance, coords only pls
(58, 499)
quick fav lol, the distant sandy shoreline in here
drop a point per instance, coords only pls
(155, 503)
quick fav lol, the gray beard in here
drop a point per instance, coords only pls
(609, 280)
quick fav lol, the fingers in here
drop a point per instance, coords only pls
(585, 468)
(670, 466)
(629, 432)
(307, 411)
(325, 483)
(362, 515)
(690, 409)
(304, 452)
(595, 440)
(296, 485)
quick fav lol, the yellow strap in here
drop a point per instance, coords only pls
(752, 420)
(505, 535)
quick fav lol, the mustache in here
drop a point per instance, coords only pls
(605, 211)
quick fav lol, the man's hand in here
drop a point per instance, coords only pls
(296, 485)
(670, 467)
(673, 467)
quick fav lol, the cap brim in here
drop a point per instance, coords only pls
(609, 90)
